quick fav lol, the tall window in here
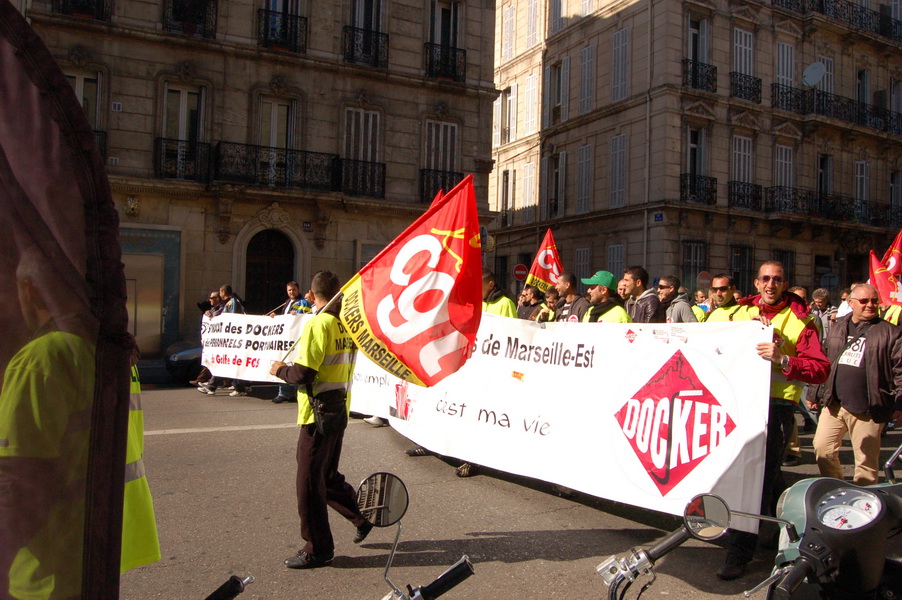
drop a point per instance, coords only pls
(862, 180)
(557, 15)
(742, 268)
(783, 166)
(530, 117)
(785, 67)
(366, 14)
(274, 137)
(863, 86)
(529, 192)
(445, 23)
(182, 113)
(582, 262)
(556, 93)
(506, 194)
(695, 260)
(617, 177)
(826, 82)
(616, 260)
(587, 79)
(788, 258)
(824, 175)
(584, 179)
(532, 23)
(508, 16)
(743, 52)
(361, 135)
(554, 175)
(441, 146)
(87, 90)
(742, 159)
(696, 152)
(619, 64)
(896, 9)
(505, 117)
(587, 6)
(895, 189)
(697, 49)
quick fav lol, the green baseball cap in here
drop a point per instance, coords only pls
(605, 278)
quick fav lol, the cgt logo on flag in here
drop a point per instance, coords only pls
(673, 423)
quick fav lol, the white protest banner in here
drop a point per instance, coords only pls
(244, 346)
(649, 415)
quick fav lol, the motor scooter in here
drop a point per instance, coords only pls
(383, 500)
(834, 537)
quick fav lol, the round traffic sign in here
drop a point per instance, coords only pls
(520, 272)
(704, 280)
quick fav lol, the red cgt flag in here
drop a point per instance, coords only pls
(547, 265)
(415, 308)
(892, 259)
(886, 283)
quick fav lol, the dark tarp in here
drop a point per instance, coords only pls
(64, 348)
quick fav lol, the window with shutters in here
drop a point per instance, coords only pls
(504, 124)
(532, 23)
(895, 193)
(529, 192)
(87, 90)
(695, 260)
(588, 7)
(743, 52)
(508, 19)
(587, 79)
(361, 172)
(696, 152)
(824, 175)
(582, 262)
(554, 175)
(584, 179)
(616, 260)
(506, 193)
(619, 64)
(785, 67)
(180, 153)
(863, 86)
(784, 175)
(742, 159)
(826, 82)
(556, 93)
(441, 159)
(531, 101)
(617, 175)
(557, 15)
(697, 39)
(862, 180)
(895, 9)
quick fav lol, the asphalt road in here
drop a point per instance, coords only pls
(221, 470)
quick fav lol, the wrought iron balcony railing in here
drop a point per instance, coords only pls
(276, 167)
(281, 32)
(814, 101)
(190, 17)
(699, 76)
(444, 62)
(744, 195)
(698, 189)
(788, 200)
(99, 10)
(745, 87)
(431, 181)
(179, 159)
(850, 13)
(100, 140)
(365, 47)
(361, 178)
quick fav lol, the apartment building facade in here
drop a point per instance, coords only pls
(254, 142)
(695, 137)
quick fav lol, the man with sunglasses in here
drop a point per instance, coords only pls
(864, 389)
(797, 358)
(725, 305)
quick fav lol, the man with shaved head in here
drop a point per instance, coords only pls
(864, 388)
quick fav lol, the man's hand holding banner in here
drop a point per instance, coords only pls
(415, 308)
(547, 265)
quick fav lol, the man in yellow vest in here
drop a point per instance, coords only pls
(725, 306)
(605, 306)
(324, 367)
(797, 358)
(494, 300)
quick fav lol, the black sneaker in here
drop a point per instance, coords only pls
(303, 560)
(733, 567)
(280, 399)
(363, 531)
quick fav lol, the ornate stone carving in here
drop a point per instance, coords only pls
(279, 84)
(273, 216)
(185, 70)
(80, 56)
(441, 110)
(700, 109)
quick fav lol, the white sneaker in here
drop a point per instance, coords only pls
(203, 389)
(376, 421)
(237, 393)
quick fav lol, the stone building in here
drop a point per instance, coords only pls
(252, 143)
(694, 137)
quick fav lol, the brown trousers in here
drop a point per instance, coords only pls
(320, 485)
(864, 433)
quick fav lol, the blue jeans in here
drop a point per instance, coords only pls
(288, 391)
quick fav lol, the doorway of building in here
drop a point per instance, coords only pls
(270, 265)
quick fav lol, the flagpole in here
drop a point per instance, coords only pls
(328, 304)
(279, 306)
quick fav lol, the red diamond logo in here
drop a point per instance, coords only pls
(631, 336)
(673, 423)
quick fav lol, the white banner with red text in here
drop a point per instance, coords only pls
(245, 346)
(649, 415)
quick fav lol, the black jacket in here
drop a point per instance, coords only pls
(882, 359)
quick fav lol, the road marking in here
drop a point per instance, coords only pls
(216, 429)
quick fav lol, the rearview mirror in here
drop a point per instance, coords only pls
(706, 517)
(382, 499)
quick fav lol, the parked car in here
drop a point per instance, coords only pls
(183, 361)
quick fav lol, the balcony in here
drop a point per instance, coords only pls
(431, 181)
(814, 101)
(100, 140)
(179, 159)
(365, 47)
(279, 31)
(276, 167)
(196, 18)
(699, 76)
(698, 189)
(793, 201)
(850, 13)
(98, 10)
(744, 195)
(745, 87)
(361, 178)
(444, 62)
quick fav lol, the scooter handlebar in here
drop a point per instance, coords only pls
(672, 541)
(447, 580)
(787, 586)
